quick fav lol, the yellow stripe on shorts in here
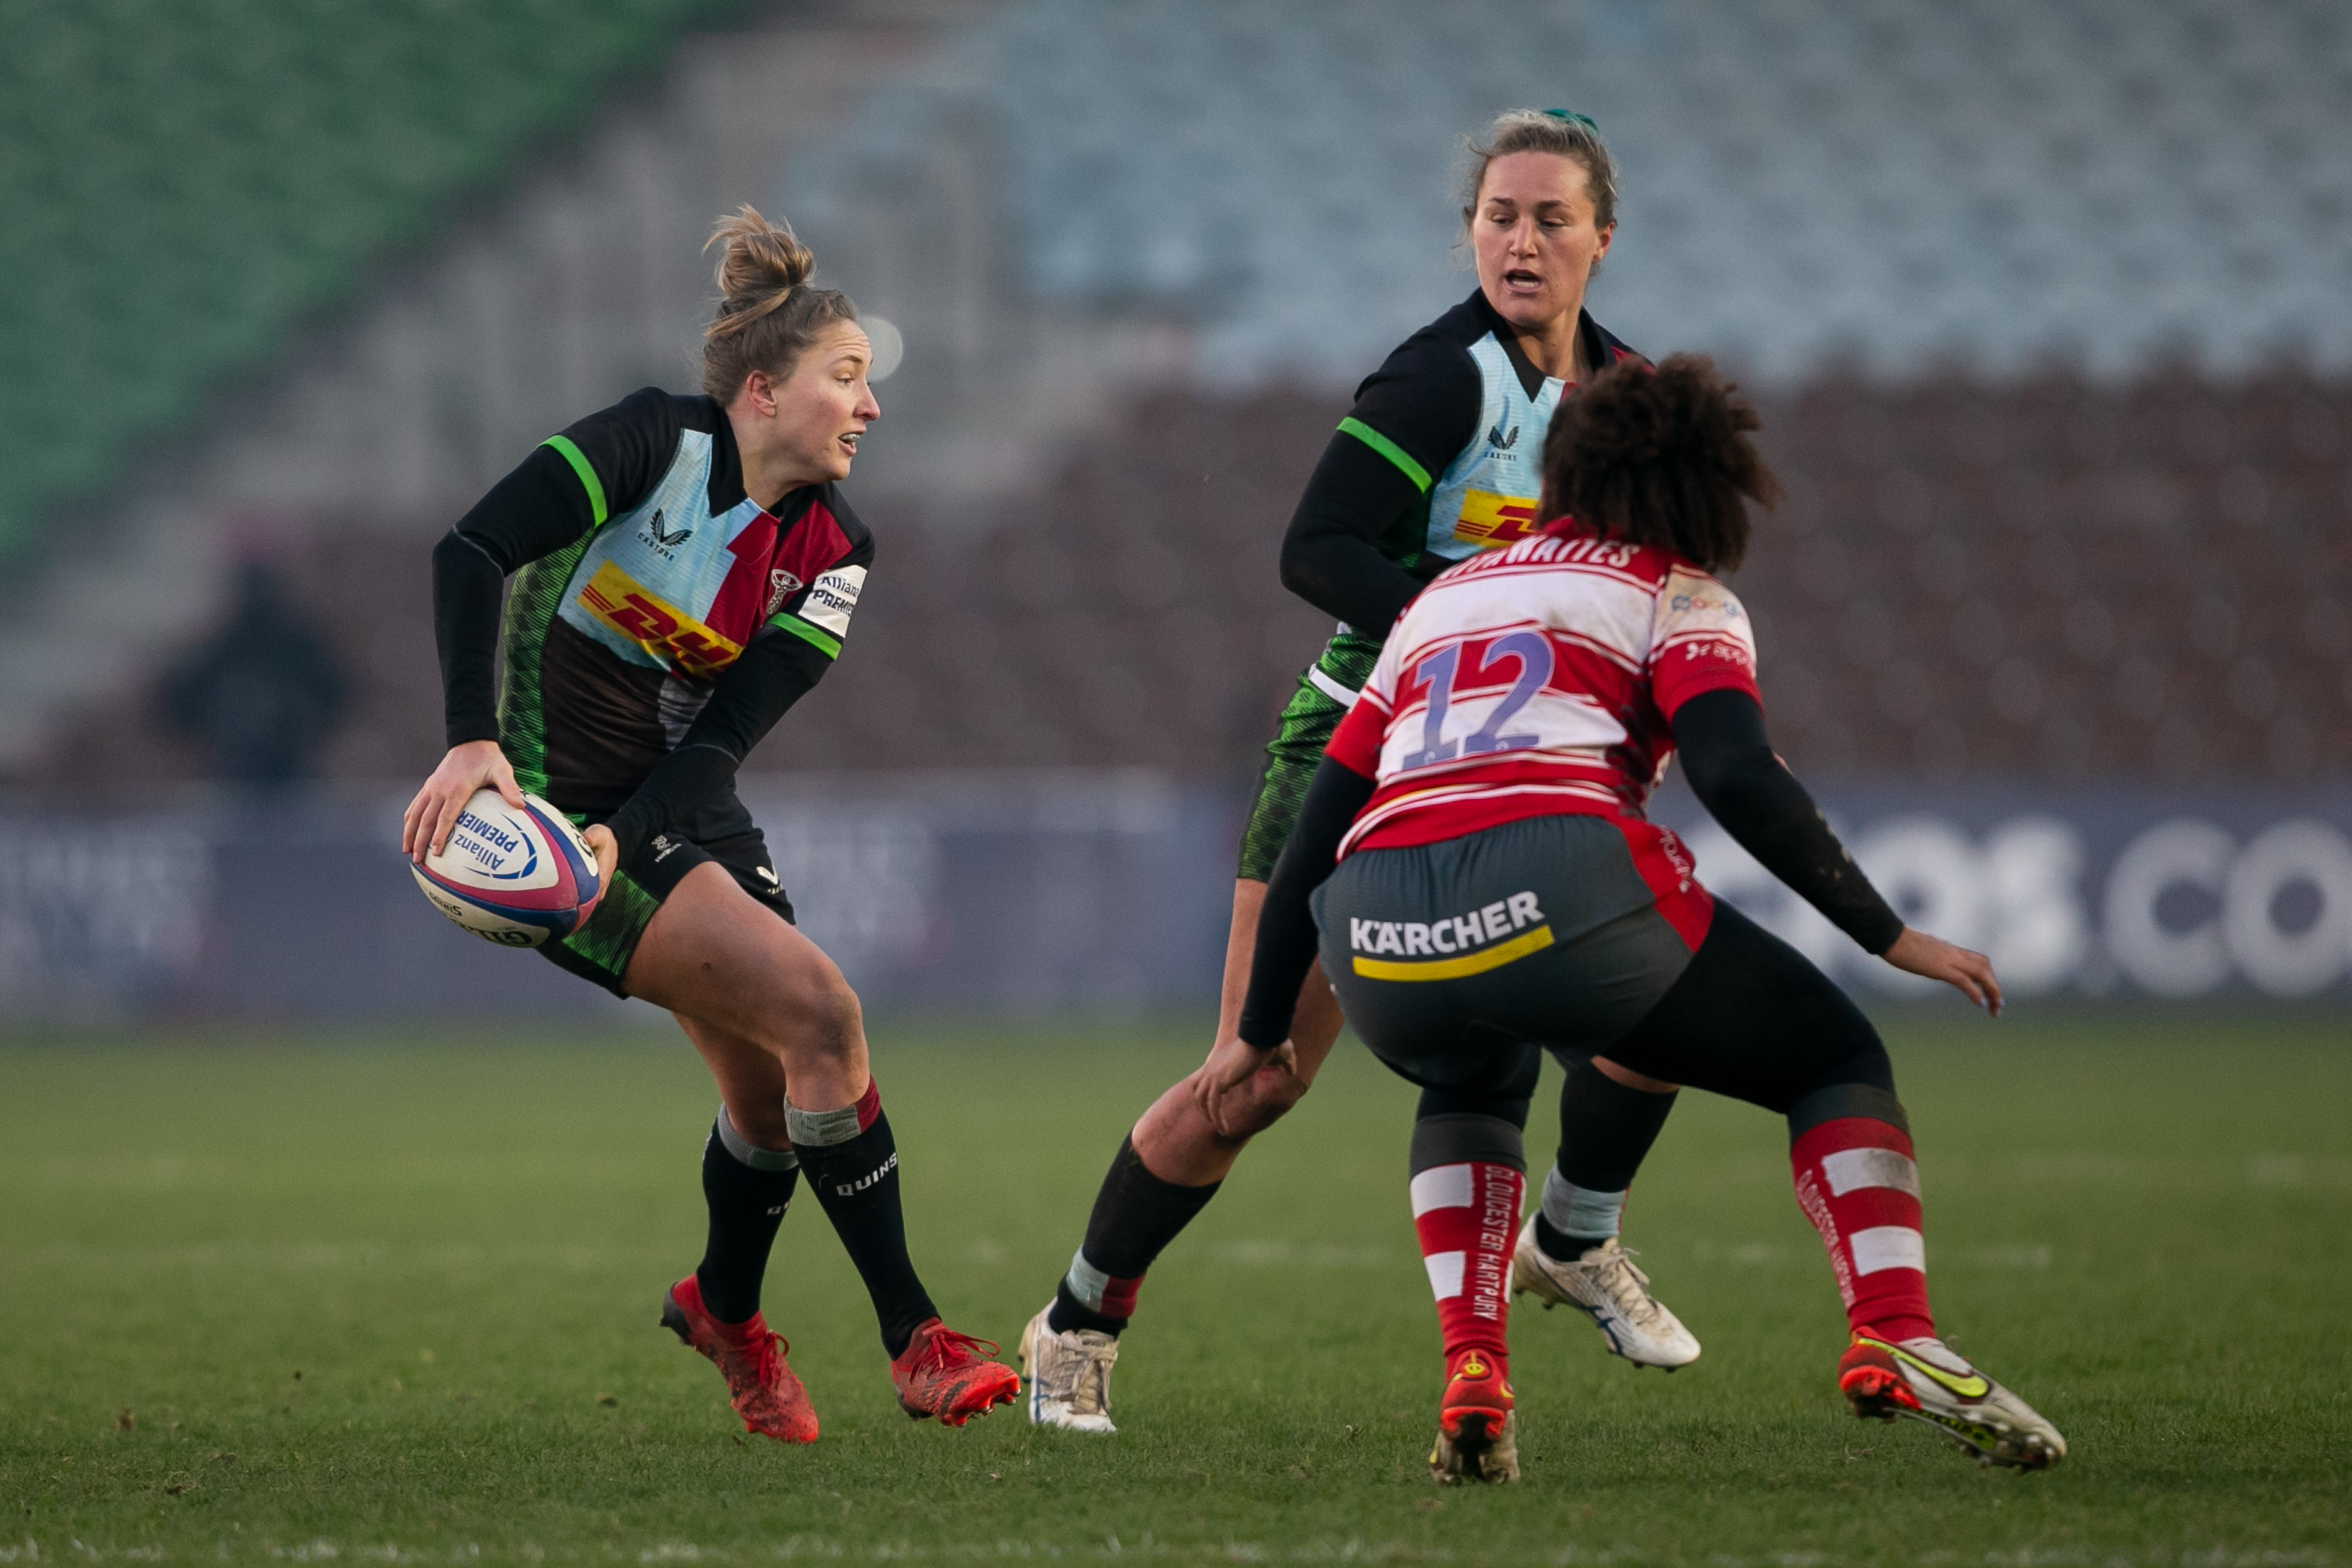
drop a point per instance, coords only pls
(1495, 957)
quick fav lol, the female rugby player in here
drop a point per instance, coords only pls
(1438, 460)
(1497, 892)
(685, 569)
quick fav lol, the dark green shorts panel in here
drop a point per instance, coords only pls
(1296, 749)
(600, 950)
(1539, 932)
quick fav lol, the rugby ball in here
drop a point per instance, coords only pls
(515, 877)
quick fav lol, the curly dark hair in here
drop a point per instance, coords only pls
(1660, 456)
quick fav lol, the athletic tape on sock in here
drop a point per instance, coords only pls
(1580, 1211)
(746, 1152)
(1100, 1292)
(819, 1129)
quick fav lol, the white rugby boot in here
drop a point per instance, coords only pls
(1069, 1375)
(1604, 1286)
(1927, 1380)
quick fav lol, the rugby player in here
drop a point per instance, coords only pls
(1474, 849)
(685, 569)
(1438, 460)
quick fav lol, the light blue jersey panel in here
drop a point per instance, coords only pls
(1487, 496)
(669, 549)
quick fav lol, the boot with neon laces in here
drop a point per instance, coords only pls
(1858, 1181)
(1069, 1374)
(1603, 1283)
(1477, 1427)
(760, 1386)
(1926, 1380)
(950, 1375)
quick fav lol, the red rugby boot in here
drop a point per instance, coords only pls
(1477, 1430)
(950, 1375)
(762, 1389)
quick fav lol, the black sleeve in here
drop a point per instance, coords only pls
(1735, 775)
(1410, 419)
(567, 485)
(1331, 557)
(777, 671)
(1285, 926)
(778, 668)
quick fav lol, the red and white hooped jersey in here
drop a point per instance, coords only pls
(1537, 680)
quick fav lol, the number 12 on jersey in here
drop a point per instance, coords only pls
(1531, 650)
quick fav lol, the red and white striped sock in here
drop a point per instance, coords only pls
(1858, 1182)
(1467, 1216)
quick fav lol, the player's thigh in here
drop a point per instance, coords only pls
(717, 955)
(1751, 1017)
(1315, 1026)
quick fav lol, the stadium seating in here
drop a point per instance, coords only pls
(2052, 580)
(2045, 304)
(185, 179)
(1902, 185)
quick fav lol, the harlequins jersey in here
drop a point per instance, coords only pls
(612, 642)
(1461, 411)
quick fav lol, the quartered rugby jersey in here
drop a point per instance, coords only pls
(1537, 680)
(1462, 412)
(612, 642)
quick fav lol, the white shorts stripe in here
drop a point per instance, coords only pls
(1850, 1169)
(1445, 1274)
(1331, 688)
(1446, 1187)
(1888, 1246)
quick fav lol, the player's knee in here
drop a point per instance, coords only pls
(822, 1018)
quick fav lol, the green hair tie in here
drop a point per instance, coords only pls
(1584, 120)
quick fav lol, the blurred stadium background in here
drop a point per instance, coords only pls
(2049, 307)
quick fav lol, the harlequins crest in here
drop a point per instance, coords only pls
(781, 585)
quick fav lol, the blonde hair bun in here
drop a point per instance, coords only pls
(769, 312)
(760, 265)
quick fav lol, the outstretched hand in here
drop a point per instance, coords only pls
(425, 825)
(1231, 1065)
(1970, 973)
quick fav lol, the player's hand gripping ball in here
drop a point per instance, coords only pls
(517, 877)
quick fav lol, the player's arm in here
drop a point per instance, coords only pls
(1742, 782)
(781, 665)
(1748, 789)
(1409, 420)
(567, 487)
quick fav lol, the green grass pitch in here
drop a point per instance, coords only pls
(394, 1299)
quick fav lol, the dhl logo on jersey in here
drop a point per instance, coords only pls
(1490, 522)
(663, 630)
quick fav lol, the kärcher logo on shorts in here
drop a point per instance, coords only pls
(1485, 937)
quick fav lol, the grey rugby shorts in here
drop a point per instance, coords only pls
(1561, 932)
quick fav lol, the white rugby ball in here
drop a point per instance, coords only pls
(517, 876)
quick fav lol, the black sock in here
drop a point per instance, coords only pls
(1605, 1133)
(856, 1178)
(1135, 1215)
(746, 1190)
